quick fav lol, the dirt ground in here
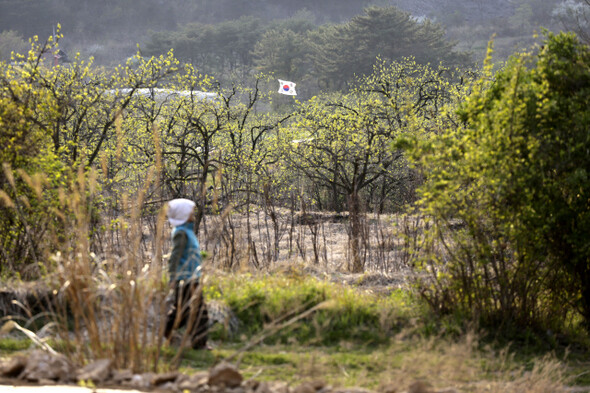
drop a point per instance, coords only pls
(319, 240)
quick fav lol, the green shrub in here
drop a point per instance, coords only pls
(507, 195)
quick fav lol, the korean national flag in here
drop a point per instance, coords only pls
(287, 88)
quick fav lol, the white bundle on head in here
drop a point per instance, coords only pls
(179, 211)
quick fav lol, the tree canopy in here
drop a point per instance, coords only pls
(325, 57)
(341, 51)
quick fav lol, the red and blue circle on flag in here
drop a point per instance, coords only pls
(287, 87)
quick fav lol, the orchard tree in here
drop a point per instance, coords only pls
(247, 145)
(221, 141)
(68, 116)
(172, 128)
(88, 100)
(29, 166)
(343, 142)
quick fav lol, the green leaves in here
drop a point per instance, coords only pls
(507, 177)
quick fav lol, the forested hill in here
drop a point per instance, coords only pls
(323, 43)
(91, 19)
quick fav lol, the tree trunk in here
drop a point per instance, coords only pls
(355, 232)
(200, 210)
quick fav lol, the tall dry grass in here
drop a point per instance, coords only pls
(112, 305)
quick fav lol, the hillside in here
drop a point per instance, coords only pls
(110, 30)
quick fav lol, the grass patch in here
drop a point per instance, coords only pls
(459, 363)
(462, 363)
(361, 339)
(364, 339)
(261, 302)
(195, 360)
(9, 345)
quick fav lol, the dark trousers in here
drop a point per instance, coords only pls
(188, 298)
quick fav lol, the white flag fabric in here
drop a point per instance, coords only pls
(287, 88)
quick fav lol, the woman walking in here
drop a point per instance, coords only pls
(184, 268)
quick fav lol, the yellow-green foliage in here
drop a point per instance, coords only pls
(507, 193)
(57, 120)
(342, 142)
(29, 168)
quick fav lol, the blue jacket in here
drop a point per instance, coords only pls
(185, 263)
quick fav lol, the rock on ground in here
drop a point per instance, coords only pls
(42, 368)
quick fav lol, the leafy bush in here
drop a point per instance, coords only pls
(29, 166)
(507, 195)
